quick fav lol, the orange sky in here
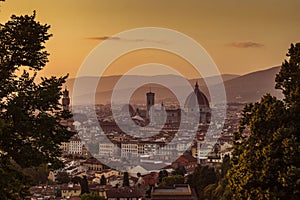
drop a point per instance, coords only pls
(240, 36)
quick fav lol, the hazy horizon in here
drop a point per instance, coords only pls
(263, 69)
(241, 37)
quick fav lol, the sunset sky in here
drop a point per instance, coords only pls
(240, 36)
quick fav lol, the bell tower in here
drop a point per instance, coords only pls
(66, 100)
(150, 101)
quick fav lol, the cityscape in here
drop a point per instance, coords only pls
(94, 153)
(148, 100)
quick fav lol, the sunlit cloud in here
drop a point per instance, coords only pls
(246, 44)
(103, 38)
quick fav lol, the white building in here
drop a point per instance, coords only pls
(107, 149)
(75, 145)
(132, 149)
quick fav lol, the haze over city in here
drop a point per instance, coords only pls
(163, 100)
(240, 36)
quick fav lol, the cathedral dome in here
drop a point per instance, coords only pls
(196, 98)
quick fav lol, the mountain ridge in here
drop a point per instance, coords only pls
(239, 88)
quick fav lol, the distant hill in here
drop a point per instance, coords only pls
(246, 88)
(225, 77)
(251, 87)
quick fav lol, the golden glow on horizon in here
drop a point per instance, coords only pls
(126, 62)
(240, 36)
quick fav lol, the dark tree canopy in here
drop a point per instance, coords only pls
(62, 177)
(180, 170)
(125, 179)
(103, 180)
(161, 175)
(84, 185)
(266, 161)
(30, 114)
(170, 181)
(202, 177)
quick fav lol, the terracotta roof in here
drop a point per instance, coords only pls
(69, 187)
(92, 160)
(188, 157)
(74, 198)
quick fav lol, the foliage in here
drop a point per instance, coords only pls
(38, 175)
(202, 177)
(62, 177)
(162, 174)
(30, 115)
(91, 196)
(220, 189)
(266, 161)
(172, 180)
(125, 179)
(84, 185)
(179, 171)
(103, 180)
(13, 183)
(76, 180)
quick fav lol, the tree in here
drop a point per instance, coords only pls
(39, 175)
(125, 179)
(161, 175)
(84, 185)
(103, 180)
(62, 177)
(170, 181)
(220, 189)
(180, 170)
(30, 115)
(14, 184)
(266, 163)
(202, 177)
(76, 180)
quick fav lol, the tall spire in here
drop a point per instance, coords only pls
(196, 87)
(150, 101)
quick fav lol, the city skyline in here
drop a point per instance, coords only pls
(241, 37)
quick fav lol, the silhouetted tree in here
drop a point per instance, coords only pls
(220, 189)
(84, 185)
(266, 161)
(202, 177)
(103, 180)
(30, 129)
(39, 175)
(76, 180)
(162, 174)
(62, 177)
(179, 171)
(125, 179)
(172, 180)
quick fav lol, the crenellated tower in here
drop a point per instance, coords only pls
(66, 100)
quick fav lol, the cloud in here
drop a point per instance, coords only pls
(101, 38)
(246, 45)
